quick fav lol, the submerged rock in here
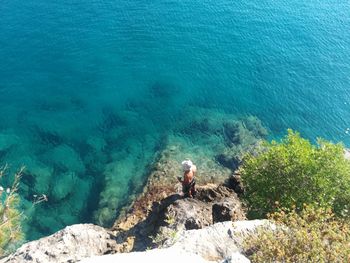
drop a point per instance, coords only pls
(97, 144)
(64, 185)
(241, 137)
(65, 158)
(42, 175)
(7, 141)
(162, 90)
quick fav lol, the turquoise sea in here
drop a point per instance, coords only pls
(90, 89)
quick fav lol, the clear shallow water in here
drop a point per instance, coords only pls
(89, 88)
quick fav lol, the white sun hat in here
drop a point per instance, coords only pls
(187, 165)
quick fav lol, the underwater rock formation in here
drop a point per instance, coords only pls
(163, 90)
(122, 177)
(64, 186)
(7, 141)
(65, 158)
(229, 137)
(90, 175)
(240, 137)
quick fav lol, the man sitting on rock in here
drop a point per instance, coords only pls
(188, 181)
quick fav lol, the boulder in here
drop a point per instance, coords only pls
(71, 244)
(222, 211)
(221, 242)
(188, 213)
(234, 182)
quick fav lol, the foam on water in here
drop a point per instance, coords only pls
(89, 90)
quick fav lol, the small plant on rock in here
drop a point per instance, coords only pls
(170, 220)
(166, 235)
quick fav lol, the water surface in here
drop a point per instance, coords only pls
(89, 88)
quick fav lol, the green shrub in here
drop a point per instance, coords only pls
(313, 235)
(294, 172)
(10, 216)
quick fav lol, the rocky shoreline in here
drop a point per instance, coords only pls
(155, 220)
(159, 217)
(160, 209)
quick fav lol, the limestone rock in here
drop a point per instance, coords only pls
(212, 243)
(218, 242)
(221, 242)
(154, 256)
(71, 244)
